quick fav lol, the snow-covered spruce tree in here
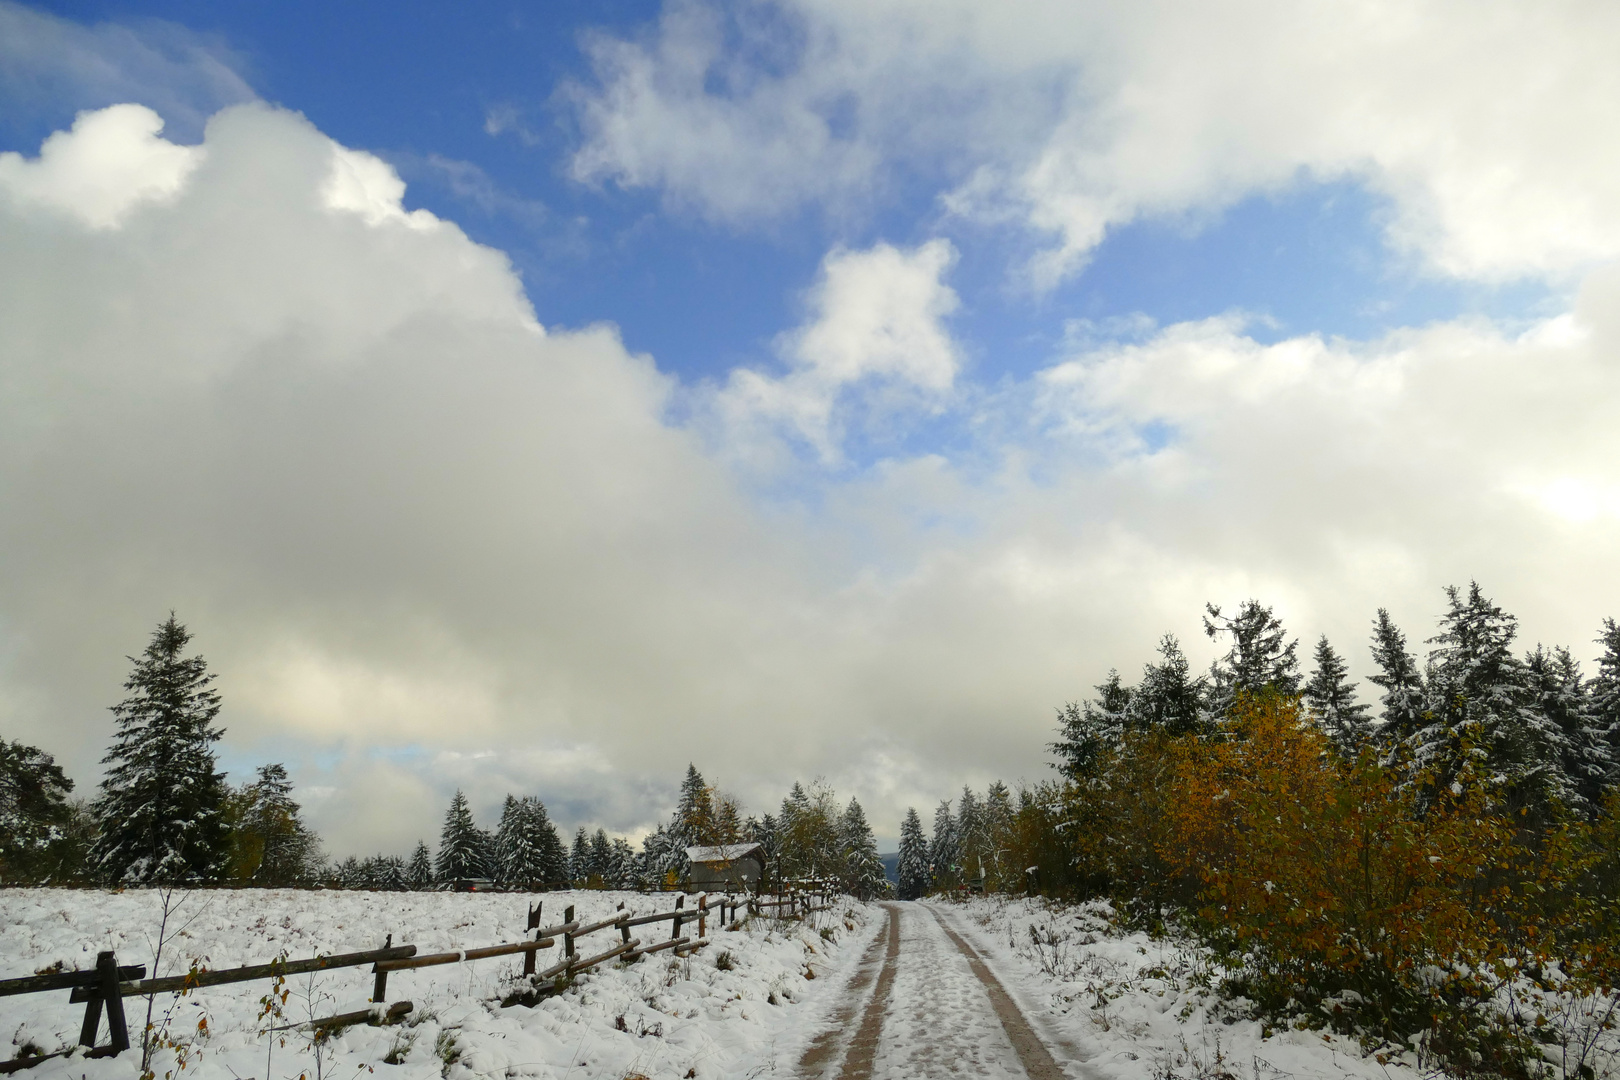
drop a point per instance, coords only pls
(553, 853)
(1604, 698)
(1479, 709)
(942, 851)
(1085, 731)
(419, 871)
(34, 811)
(862, 875)
(579, 859)
(461, 848)
(272, 846)
(1168, 697)
(602, 858)
(624, 870)
(1331, 698)
(998, 813)
(161, 808)
(914, 881)
(1559, 694)
(516, 860)
(694, 822)
(1259, 658)
(765, 832)
(973, 854)
(1405, 697)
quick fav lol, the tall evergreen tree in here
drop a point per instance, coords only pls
(161, 807)
(622, 870)
(1259, 656)
(271, 844)
(766, 832)
(972, 843)
(1479, 708)
(419, 871)
(579, 859)
(1169, 697)
(602, 857)
(517, 863)
(1561, 696)
(461, 845)
(1085, 731)
(913, 857)
(1331, 698)
(942, 850)
(862, 875)
(1402, 708)
(1604, 698)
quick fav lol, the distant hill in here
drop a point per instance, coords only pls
(891, 867)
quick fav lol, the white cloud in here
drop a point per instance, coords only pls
(878, 324)
(425, 543)
(1487, 124)
(110, 163)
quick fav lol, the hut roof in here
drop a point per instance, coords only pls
(724, 853)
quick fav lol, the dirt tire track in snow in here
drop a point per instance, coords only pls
(1032, 1052)
(824, 1049)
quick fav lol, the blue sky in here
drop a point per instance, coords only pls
(961, 351)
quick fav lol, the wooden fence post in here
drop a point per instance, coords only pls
(680, 902)
(379, 985)
(568, 939)
(703, 915)
(534, 924)
(105, 993)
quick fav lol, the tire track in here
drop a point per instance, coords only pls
(822, 1052)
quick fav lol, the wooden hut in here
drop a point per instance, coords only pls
(726, 868)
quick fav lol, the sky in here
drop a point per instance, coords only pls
(537, 398)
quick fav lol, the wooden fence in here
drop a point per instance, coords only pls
(104, 987)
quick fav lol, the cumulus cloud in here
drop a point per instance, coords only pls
(877, 326)
(111, 162)
(426, 542)
(1487, 125)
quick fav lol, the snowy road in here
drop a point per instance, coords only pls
(934, 1010)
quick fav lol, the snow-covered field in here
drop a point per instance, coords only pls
(745, 1005)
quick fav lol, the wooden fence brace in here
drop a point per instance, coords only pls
(673, 943)
(363, 1016)
(379, 982)
(603, 957)
(106, 992)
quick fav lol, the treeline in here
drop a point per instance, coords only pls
(812, 836)
(164, 815)
(1439, 872)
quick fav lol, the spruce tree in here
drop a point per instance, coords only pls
(862, 875)
(579, 859)
(161, 808)
(553, 855)
(1562, 697)
(1604, 699)
(461, 854)
(1480, 719)
(942, 850)
(419, 872)
(1260, 656)
(1086, 731)
(602, 858)
(1402, 708)
(1169, 697)
(972, 845)
(516, 861)
(913, 857)
(273, 846)
(623, 870)
(1331, 698)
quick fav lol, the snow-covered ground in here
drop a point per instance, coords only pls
(1128, 1006)
(745, 1005)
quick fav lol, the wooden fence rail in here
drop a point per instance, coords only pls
(104, 987)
